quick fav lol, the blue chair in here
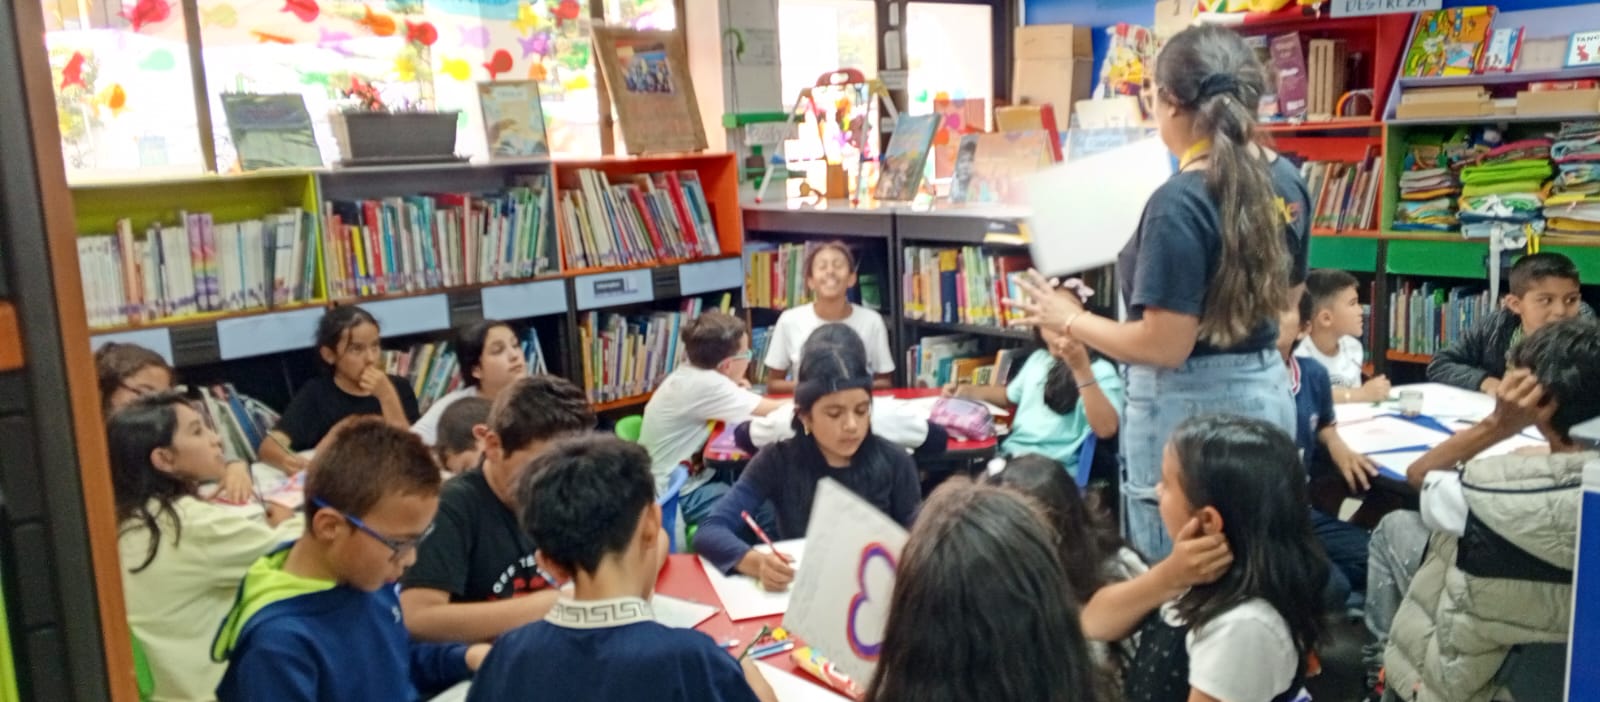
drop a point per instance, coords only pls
(668, 500)
(1086, 460)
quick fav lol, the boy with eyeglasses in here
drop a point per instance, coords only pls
(710, 387)
(319, 618)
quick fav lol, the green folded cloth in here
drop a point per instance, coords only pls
(1493, 173)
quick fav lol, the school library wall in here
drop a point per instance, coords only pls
(225, 275)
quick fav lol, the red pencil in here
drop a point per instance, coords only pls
(767, 539)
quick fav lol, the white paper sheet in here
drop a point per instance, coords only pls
(1086, 210)
(789, 687)
(1358, 411)
(1394, 465)
(454, 694)
(679, 613)
(841, 600)
(1388, 434)
(1448, 402)
(743, 597)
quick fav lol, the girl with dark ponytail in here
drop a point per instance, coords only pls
(1220, 247)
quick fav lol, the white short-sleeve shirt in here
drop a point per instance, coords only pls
(677, 418)
(1344, 367)
(1245, 654)
(427, 425)
(795, 326)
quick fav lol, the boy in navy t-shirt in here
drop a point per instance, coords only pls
(590, 505)
(1315, 434)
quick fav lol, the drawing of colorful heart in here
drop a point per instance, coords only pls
(866, 640)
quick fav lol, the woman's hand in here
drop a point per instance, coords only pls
(1043, 305)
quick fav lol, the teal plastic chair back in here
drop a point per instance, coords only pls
(628, 427)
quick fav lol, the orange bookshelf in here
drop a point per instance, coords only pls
(1402, 357)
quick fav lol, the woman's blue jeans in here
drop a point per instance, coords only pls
(1254, 384)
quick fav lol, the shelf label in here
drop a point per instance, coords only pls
(608, 289)
(158, 339)
(273, 332)
(525, 300)
(411, 315)
(708, 276)
(1361, 8)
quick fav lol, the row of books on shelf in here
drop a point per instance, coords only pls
(627, 355)
(240, 420)
(1425, 318)
(775, 277)
(937, 361)
(969, 285)
(1344, 195)
(428, 241)
(760, 342)
(433, 371)
(627, 220)
(197, 265)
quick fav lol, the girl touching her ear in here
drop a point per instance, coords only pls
(1232, 614)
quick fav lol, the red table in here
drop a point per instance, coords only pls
(955, 450)
(684, 578)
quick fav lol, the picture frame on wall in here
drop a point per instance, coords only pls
(647, 75)
(513, 119)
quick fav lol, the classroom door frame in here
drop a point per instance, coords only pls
(57, 514)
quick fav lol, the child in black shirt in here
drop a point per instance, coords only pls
(355, 385)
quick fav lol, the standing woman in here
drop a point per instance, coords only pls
(1218, 249)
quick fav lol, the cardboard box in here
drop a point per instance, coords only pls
(1423, 96)
(1327, 61)
(1558, 102)
(1059, 82)
(1436, 110)
(1053, 42)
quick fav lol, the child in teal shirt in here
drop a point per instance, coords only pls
(1060, 395)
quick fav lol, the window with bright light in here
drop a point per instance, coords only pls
(950, 51)
(124, 98)
(818, 36)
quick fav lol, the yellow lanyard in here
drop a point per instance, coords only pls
(1200, 150)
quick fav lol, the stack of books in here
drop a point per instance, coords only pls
(433, 370)
(775, 277)
(937, 361)
(633, 220)
(760, 341)
(240, 420)
(424, 242)
(959, 286)
(628, 355)
(196, 265)
(1344, 195)
(1425, 317)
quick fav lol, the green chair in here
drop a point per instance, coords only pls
(141, 671)
(628, 427)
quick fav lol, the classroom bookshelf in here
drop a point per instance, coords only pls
(419, 283)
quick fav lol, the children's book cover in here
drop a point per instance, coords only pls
(513, 120)
(1505, 45)
(989, 167)
(1448, 42)
(958, 117)
(904, 159)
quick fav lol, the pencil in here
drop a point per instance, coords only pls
(754, 641)
(764, 538)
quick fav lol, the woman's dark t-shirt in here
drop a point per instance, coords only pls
(1170, 261)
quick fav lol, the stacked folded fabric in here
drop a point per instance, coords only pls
(1427, 191)
(1503, 192)
(1573, 206)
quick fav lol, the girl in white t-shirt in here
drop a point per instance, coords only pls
(830, 273)
(490, 358)
(1232, 614)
